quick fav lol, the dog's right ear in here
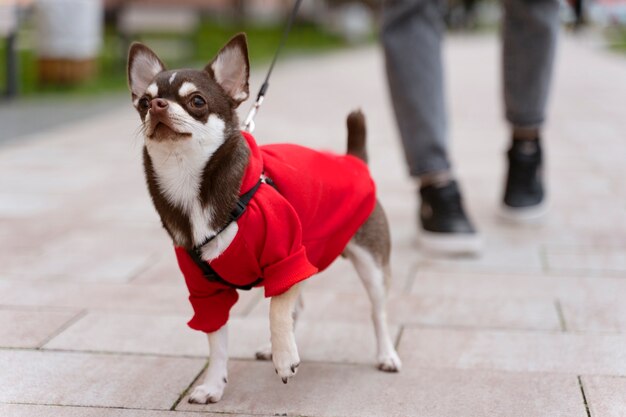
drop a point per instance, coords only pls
(143, 66)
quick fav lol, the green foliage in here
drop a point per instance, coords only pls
(263, 40)
(617, 38)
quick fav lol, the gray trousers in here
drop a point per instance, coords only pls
(412, 34)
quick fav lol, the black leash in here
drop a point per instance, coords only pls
(249, 123)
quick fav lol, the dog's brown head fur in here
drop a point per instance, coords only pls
(218, 89)
(194, 155)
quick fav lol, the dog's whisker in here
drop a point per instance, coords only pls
(139, 134)
(141, 129)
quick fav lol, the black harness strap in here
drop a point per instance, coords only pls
(209, 273)
(196, 252)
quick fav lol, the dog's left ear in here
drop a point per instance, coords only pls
(231, 69)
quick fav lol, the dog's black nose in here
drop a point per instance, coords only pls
(158, 105)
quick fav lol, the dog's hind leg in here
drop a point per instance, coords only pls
(369, 252)
(216, 377)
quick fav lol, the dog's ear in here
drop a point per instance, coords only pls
(143, 66)
(231, 69)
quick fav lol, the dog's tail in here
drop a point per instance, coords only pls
(356, 135)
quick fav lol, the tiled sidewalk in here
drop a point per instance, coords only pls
(93, 309)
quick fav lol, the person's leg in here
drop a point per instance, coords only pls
(412, 36)
(530, 31)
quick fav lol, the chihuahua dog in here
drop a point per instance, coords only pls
(243, 216)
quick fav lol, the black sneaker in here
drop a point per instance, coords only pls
(524, 194)
(445, 226)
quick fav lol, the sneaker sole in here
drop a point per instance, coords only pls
(451, 243)
(524, 215)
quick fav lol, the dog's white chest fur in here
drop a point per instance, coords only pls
(179, 167)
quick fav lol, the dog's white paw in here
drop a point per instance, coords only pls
(208, 392)
(264, 353)
(389, 362)
(286, 362)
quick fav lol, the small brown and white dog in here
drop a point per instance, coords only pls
(194, 159)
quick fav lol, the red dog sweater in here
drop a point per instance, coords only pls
(287, 233)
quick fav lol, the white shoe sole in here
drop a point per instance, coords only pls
(524, 215)
(451, 243)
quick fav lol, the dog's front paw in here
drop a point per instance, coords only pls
(389, 362)
(208, 392)
(286, 362)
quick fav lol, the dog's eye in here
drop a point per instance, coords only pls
(197, 101)
(144, 103)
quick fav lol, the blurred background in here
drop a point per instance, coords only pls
(77, 47)
(72, 50)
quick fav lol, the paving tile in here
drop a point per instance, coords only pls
(585, 219)
(130, 210)
(515, 351)
(605, 395)
(101, 296)
(587, 259)
(81, 257)
(56, 225)
(41, 181)
(157, 334)
(595, 314)
(20, 205)
(511, 312)
(169, 335)
(405, 257)
(339, 341)
(247, 335)
(586, 303)
(27, 410)
(30, 328)
(318, 341)
(362, 391)
(162, 271)
(111, 297)
(498, 254)
(132, 333)
(443, 282)
(61, 378)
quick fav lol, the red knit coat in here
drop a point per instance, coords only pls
(286, 234)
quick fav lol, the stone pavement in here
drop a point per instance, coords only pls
(93, 309)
